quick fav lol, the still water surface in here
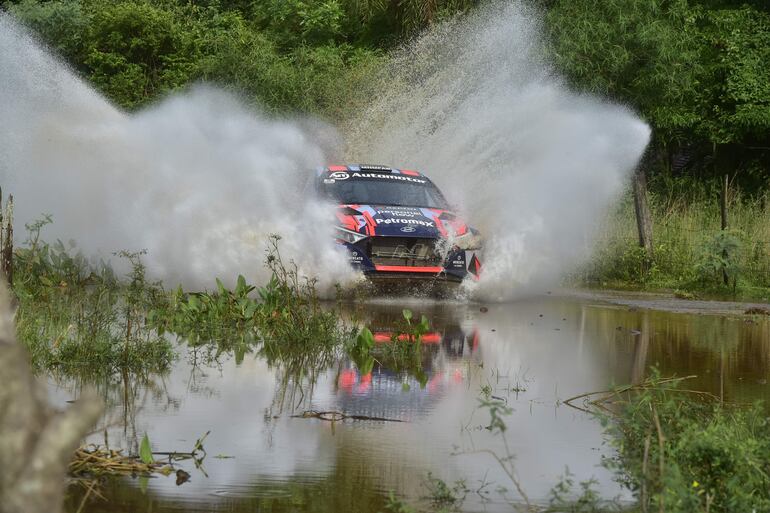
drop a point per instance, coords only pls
(534, 354)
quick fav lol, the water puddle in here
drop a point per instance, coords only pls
(534, 354)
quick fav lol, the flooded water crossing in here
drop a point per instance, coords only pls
(263, 455)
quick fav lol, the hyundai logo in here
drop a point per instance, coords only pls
(408, 229)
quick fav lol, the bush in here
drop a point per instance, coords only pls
(685, 452)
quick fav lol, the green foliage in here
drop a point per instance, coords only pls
(145, 451)
(291, 311)
(141, 52)
(78, 318)
(286, 56)
(63, 24)
(296, 22)
(588, 500)
(697, 72)
(396, 505)
(718, 256)
(689, 245)
(361, 351)
(286, 313)
(202, 317)
(692, 454)
(444, 496)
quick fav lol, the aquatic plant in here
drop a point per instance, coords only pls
(681, 453)
(79, 317)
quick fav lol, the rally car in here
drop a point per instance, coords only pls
(396, 224)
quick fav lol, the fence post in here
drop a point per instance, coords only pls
(6, 239)
(725, 185)
(643, 216)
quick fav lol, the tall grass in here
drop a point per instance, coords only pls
(690, 248)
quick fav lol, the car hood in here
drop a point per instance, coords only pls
(398, 221)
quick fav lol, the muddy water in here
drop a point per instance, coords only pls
(533, 353)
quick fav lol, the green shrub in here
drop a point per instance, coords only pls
(684, 452)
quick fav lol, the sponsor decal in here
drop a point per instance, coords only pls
(380, 176)
(339, 175)
(400, 211)
(375, 167)
(408, 229)
(329, 180)
(418, 222)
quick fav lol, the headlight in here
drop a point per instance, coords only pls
(348, 235)
(469, 240)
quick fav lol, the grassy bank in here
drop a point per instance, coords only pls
(691, 251)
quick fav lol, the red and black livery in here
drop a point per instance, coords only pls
(396, 224)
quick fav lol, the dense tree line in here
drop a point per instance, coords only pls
(697, 70)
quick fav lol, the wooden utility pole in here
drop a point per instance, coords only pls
(643, 216)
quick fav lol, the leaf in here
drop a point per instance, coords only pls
(241, 287)
(221, 287)
(145, 451)
(365, 340)
(407, 314)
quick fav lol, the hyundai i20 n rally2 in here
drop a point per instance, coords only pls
(396, 225)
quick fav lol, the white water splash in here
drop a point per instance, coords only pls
(198, 180)
(533, 164)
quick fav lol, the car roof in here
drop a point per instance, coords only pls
(321, 172)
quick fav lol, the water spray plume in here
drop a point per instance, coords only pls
(473, 104)
(198, 180)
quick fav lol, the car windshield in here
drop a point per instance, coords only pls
(382, 192)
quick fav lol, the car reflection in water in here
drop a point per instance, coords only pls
(449, 352)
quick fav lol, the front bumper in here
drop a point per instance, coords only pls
(458, 265)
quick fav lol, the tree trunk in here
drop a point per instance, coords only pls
(643, 216)
(36, 442)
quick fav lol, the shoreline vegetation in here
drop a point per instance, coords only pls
(674, 449)
(692, 256)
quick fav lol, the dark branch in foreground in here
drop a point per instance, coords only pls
(36, 442)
